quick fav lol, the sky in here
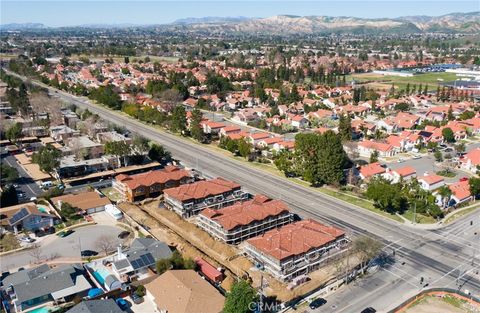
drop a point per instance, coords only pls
(74, 12)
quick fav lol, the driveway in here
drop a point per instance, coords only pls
(83, 238)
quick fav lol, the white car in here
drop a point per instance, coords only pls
(416, 157)
(27, 239)
(400, 160)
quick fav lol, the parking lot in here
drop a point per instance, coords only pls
(26, 186)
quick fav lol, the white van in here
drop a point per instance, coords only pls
(113, 211)
(47, 184)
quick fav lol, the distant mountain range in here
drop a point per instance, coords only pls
(291, 25)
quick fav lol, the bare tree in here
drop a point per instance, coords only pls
(105, 244)
(36, 253)
(366, 249)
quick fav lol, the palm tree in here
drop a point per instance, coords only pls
(445, 193)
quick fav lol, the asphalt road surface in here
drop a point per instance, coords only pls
(52, 246)
(444, 257)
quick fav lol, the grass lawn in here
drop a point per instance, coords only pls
(382, 81)
(461, 213)
(111, 194)
(446, 173)
(8, 242)
(419, 218)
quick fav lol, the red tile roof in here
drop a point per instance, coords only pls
(431, 179)
(201, 189)
(473, 156)
(244, 213)
(461, 189)
(405, 171)
(372, 169)
(295, 239)
(153, 177)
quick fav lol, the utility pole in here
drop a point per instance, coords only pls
(414, 213)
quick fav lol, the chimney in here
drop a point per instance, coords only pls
(120, 254)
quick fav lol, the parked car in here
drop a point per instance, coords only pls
(33, 199)
(136, 298)
(122, 303)
(86, 253)
(27, 239)
(369, 310)
(65, 233)
(416, 157)
(124, 234)
(401, 160)
(317, 303)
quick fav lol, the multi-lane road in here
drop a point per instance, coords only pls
(442, 257)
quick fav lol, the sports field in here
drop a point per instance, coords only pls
(380, 82)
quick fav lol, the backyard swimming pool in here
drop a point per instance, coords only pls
(100, 275)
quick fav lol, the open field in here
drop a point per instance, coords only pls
(378, 81)
(445, 304)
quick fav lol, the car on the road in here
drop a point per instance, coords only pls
(401, 160)
(416, 157)
(65, 233)
(122, 303)
(27, 239)
(369, 310)
(317, 303)
(136, 298)
(86, 253)
(124, 234)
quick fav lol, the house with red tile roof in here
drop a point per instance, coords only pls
(245, 219)
(228, 130)
(371, 170)
(431, 182)
(188, 200)
(210, 127)
(254, 138)
(460, 192)
(471, 160)
(295, 249)
(403, 173)
(150, 184)
(268, 142)
(284, 145)
(367, 147)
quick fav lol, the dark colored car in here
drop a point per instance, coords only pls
(124, 234)
(65, 233)
(136, 298)
(85, 253)
(369, 310)
(122, 303)
(317, 303)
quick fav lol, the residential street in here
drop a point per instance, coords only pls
(441, 255)
(24, 182)
(52, 246)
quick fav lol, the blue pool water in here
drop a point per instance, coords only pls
(100, 275)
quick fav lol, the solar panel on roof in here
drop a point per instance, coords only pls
(19, 215)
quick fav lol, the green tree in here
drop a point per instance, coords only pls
(14, 132)
(68, 212)
(474, 184)
(158, 153)
(8, 196)
(345, 127)
(120, 149)
(47, 158)
(386, 196)
(320, 158)
(7, 173)
(244, 147)
(179, 119)
(163, 265)
(438, 156)
(374, 156)
(448, 135)
(450, 116)
(196, 129)
(240, 298)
